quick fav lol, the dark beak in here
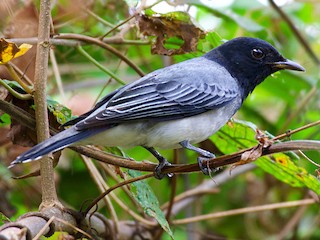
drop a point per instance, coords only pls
(288, 64)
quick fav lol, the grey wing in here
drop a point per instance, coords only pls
(158, 98)
(99, 104)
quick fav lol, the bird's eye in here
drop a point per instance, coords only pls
(257, 53)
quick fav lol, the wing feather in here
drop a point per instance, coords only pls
(163, 96)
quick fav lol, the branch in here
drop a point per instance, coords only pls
(49, 194)
(186, 168)
(94, 226)
(25, 119)
(74, 43)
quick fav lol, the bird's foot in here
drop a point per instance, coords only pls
(203, 163)
(162, 163)
(158, 171)
(205, 156)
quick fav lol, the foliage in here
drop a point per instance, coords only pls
(285, 101)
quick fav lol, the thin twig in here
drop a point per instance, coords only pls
(73, 227)
(209, 185)
(291, 132)
(104, 45)
(23, 75)
(95, 16)
(309, 159)
(95, 62)
(126, 182)
(57, 74)
(194, 192)
(108, 169)
(104, 87)
(102, 187)
(245, 211)
(298, 110)
(295, 31)
(44, 228)
(17, 78)
(116, 27)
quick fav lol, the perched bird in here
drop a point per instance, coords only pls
(176, 106)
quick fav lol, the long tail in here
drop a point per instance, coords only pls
(53, 144)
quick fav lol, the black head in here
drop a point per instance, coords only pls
(250, 61)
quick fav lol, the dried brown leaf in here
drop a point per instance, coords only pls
(263, 139)
(164, 27)
(249, 156)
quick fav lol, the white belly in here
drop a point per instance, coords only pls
(166, 135)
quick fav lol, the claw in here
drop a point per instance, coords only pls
(205, 156)
(202, 162)
(158, 171)
(162, 163)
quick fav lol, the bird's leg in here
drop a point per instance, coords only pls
(162, 163)
(205, 156)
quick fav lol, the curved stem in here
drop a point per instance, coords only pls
(95, 62)
(103, 45)
(15, 93)
(126, 182)
(23, 75)
(18, 79)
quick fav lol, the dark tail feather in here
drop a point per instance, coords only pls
(53, 144)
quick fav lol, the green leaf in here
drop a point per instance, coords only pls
(62, 113)
(281, 167)
(148, 201)
(214, 39)
(5, 120)
(235, 136)
(240, 134)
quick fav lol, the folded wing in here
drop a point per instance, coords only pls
(165, 95)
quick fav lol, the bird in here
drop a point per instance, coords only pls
(173, 107)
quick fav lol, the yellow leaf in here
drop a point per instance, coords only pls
(9, 50)
(23, 48)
